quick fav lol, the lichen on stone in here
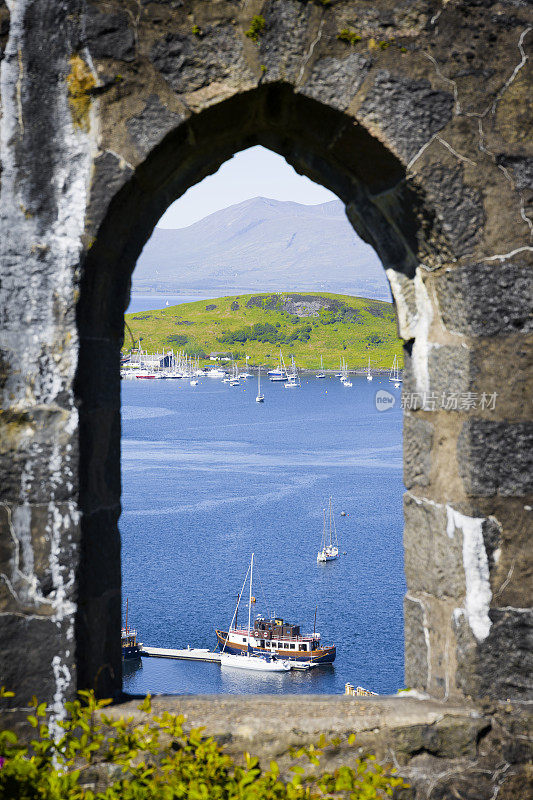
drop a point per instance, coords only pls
(80, 81)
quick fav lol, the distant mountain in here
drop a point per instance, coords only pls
(263, 245)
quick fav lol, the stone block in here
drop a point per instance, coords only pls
(416, 645)
(38, 455)
(39, 552)
(433, 557)
(451, 371)
(409, 112)
(487, 299)
(417, 444)
(496, 457)
(109, 35)
(338, 79)
(500, 666)
(37, 658)
(150, 126)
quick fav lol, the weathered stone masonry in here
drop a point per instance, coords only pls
(110, 110)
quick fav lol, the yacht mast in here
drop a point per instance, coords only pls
(250, 599)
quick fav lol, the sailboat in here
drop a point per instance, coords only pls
(321, 374)
(280, 373)
(260, 397)
(329, 547)
(368, 373)
(235, 378)
(250, 659)
(394, 374)
(271, 637)
(293, 380)
(344, 378)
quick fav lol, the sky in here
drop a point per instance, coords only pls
(256, 172)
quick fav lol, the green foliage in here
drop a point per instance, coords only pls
(178, 339)
(349, 36)
(257, 26)
(153, 757)
(196, 31)
(266, 332)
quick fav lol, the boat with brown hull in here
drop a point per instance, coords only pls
(275, 637)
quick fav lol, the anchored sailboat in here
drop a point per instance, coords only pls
(260, 397)
(394, 374)
(250, 659)
(368, 373)
(321, 374)
(329, 548)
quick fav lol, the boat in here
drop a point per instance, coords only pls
(273, 636)
(329, 547)
(260, 397)
(235, 377)
(250, 657)
(368, 372)
(280, 373)
(193, 382)
(293, 380)
(131, 648)
(344, 375)
(394, 374)
(214, 372)
(321, 374)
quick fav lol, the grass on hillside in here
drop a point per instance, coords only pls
(354, 329)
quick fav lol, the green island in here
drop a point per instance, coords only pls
(306, 325)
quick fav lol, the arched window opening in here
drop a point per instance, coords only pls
(209, 475)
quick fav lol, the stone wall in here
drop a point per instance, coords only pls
(416, 115)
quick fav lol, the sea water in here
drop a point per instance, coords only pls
(210, 476)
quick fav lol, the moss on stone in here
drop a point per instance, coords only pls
(80, 81)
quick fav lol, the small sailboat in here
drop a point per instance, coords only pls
(368, 372)
(344, 377)
(329, 547)
(268, 662)
(235, 377)
(280, 373)
(260, 397)
(394, 374)
(293, 380)
(321, 374)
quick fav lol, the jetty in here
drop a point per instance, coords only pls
(188, 654)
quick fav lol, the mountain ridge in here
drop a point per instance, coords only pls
(263, 244)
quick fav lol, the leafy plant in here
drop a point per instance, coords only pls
(156, 758)
(257, 26)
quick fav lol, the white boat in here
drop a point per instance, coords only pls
(321, 374)
(215, 373)
(235, 377)
(280, 373)
(293, 380)
(268, 662)
(260, 397)
(368, 373)
(329, 546)
(194, 382)
(344, 374)
(394, 374)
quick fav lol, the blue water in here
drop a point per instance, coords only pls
(209, 476)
